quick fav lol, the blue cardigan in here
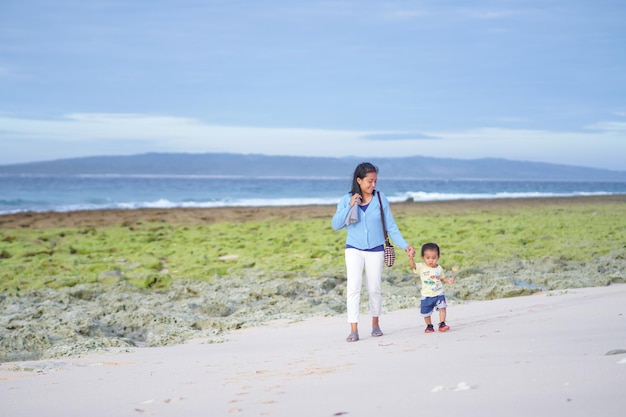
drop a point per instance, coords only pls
(367, 233)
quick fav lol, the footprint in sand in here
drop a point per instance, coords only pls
(461, 386)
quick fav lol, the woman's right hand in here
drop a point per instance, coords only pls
(356, 199)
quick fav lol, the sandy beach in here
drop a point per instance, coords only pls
(271, 346)
(553, 353)
(100, 307)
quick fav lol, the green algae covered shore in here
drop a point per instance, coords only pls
(79, 281)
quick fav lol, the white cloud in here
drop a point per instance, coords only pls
(490, 15)
(406, 14)
(468, 14)
(174, 134)
(601, 146)
(609, 126)
(9, 73)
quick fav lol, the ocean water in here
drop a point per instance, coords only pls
(42, 193)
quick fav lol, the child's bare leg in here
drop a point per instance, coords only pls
(442, 315)
(429, 325)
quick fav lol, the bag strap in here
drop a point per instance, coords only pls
(382, 216)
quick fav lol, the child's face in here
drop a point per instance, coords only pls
(430, 258)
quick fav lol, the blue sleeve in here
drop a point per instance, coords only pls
(343, 207)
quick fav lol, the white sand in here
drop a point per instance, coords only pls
(530, 356)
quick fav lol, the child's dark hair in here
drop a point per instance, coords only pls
(361, 171)
(430, 246)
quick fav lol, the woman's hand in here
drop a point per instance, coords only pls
(410, 251)
(356, 199)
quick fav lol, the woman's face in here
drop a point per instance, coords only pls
(368, 183)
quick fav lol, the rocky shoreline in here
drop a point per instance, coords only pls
(44, 324)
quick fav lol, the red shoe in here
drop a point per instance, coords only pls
(443, 327)
(429, 329)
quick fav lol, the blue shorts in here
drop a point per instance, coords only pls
(429, 304)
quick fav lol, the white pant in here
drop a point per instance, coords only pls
(356, 262)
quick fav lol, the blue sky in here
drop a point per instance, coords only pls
(522, 80)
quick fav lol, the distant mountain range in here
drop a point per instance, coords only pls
(295, 166)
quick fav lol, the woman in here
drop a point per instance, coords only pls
(359, 212)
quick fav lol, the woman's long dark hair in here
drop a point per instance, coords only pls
(361, 171)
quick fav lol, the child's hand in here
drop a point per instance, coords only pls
(450, 281)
